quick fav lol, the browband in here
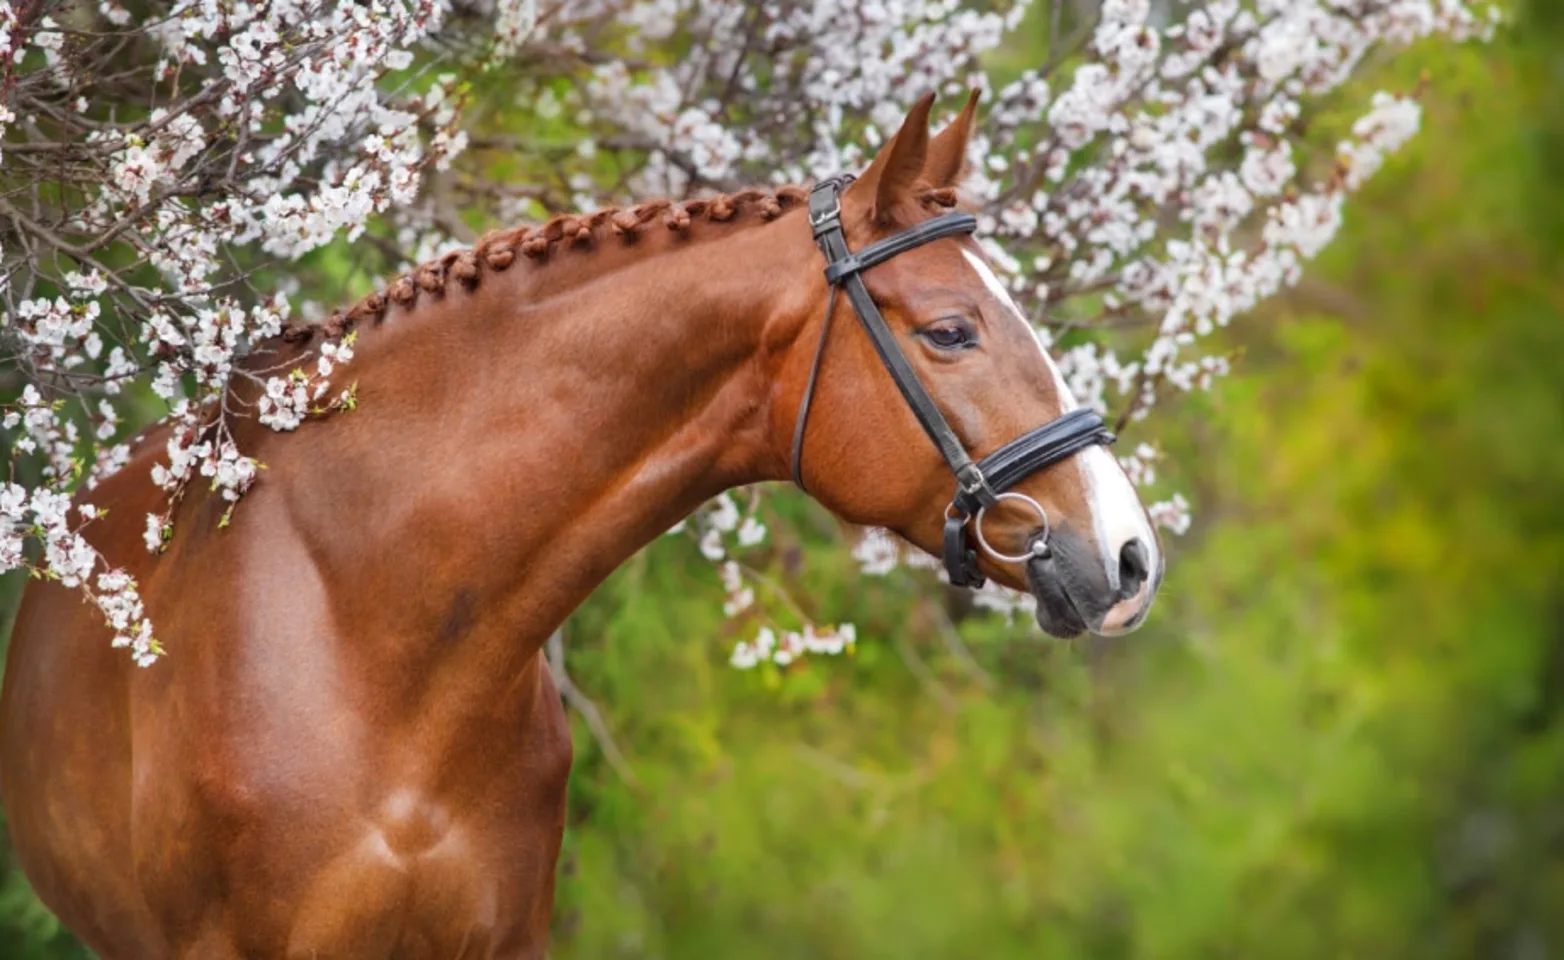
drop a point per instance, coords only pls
(945, 225)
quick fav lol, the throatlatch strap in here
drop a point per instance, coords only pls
(809, 395)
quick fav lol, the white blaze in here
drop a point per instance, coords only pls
(1117, 515)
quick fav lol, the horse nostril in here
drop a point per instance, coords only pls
(1134, 567)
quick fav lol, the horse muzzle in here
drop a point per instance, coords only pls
(1080, 588)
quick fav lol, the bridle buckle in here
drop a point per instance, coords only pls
(825, 219)
(974, 485)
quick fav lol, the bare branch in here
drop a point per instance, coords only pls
(554, 651)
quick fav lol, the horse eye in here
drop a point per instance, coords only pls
(949, 336)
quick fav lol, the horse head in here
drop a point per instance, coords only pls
(940, 416)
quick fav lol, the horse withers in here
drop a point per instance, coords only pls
(353, 748)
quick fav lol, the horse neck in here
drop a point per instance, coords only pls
(517, 450)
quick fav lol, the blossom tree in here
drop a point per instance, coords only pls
(1148, 183)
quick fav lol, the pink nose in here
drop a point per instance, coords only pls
(1134, 589)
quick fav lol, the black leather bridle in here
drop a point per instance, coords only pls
(979, 485)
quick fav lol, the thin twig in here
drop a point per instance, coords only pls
(958, 648)
(1055, 14)
(554, 651)
(925, 676)
(846, 773)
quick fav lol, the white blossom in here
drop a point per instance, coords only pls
(790, 646)
(877, 552)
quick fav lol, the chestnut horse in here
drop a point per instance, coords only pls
(353, 748)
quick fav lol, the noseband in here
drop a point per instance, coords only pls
(979, 485)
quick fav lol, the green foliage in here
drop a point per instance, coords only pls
(1339, 736)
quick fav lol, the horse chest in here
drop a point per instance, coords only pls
(422, 878)
(369, 841)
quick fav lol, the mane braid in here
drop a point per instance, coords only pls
(496, 250)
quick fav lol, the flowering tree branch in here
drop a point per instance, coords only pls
(139, 224)
(554, 652)
(1146, 184)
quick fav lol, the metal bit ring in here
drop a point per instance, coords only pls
(1038, 546)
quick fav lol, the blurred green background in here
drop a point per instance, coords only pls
(1339, 736)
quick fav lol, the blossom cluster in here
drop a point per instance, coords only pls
(45, 515)
(770, 647)
(140, 230)
(1154, 178)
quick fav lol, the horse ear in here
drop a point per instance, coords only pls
(947, 155)
(899, 164)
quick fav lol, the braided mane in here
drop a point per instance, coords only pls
(497, 249)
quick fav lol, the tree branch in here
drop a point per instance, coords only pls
(554, 653)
